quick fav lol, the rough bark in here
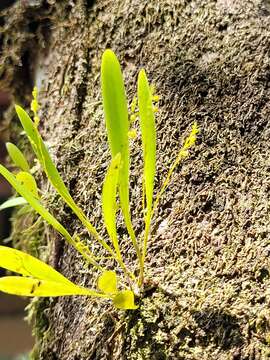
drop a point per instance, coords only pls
(208, 262)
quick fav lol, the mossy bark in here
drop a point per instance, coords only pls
(207, 294)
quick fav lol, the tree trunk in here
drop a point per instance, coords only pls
(207, 288)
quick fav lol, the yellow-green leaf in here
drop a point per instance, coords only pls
(29, 128)
(107, 282)
(40, 150)
(57, 182)
(148, 129)
(117, 125)
(13, 202)
(17, 157)
(24, 286)
(27, 265)
(28, 181)
(52, 173)
(23, 191)
(44, 213)
(125, 300)
(109, 205)
(116, 116)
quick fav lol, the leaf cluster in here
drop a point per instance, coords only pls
(38, 278)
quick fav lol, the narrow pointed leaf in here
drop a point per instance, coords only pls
(27, 265)
(13, 202)
(23, 191)
(17, 156)
(107, 282)
(40, 209)
(124, 300)
(29, 128)
(24, 286)
(56, 180)
(51, 171)
(109, 205)
(116, 116)
(148, 129)
(41, 150)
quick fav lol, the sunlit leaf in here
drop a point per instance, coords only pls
(117, 124)
(125, 300)
(41, 150)
(13, 202)
(44, 213)
(17, 157)
(28, 181)
(109, 205)
(148, 129)
(24, 192)
(29, 128)
(27, 265)
(24, 286)
(116, 116)
(107, 282)
(57, 182)
(52, 173)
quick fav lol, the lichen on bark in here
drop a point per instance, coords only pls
(207, 291)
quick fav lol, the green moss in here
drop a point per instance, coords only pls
(209, 248)
(37, 317)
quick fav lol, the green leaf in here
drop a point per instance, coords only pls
(13, 202)
(52, 172)
(36, 205)
(23, 286)
(125, 300)
(148, 129)
(28, 181)
(44, 213)
(57, 182)
(115, 108)
(109, 205)
(41, 150)
(44, 281)
(53, 175)
(27, 265)
(117, 124)
(116, 116)
(107, 282)
(17, 157)
(30, 129)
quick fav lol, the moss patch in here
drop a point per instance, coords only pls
(208, 261)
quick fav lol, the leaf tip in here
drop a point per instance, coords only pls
(124, 300)
(107, 282)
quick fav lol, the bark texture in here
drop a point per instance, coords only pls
(207, 294)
